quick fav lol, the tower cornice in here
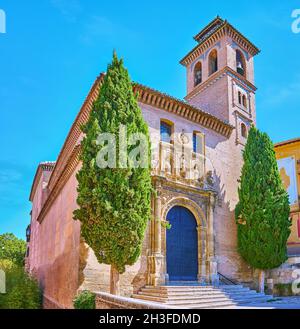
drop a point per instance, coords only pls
(211, 34)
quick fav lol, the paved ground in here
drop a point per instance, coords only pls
(278, 303)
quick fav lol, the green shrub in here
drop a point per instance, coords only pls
(12, 248)
(22, 291)
(85, 300)
(262, 214)
(6, 264)
(284, 289)
(115, 200)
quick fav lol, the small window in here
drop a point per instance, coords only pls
(198, 143)
(240, 97)
(27, 252)
(243, 130)
(240, 63)
(213, 62)
(244, 101)
(198, 74)
(28, 233)
(165, 132)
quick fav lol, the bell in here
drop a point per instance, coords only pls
(240, 68)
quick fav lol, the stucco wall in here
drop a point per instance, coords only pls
(56, 264)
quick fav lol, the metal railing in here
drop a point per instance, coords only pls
(225, 280)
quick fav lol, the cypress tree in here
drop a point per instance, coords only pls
(114, 200)
(262, 213)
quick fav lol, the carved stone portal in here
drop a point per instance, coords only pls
(201, 204)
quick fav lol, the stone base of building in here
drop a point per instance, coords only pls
(285, 280)
(51, 304)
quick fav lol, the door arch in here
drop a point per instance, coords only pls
(182, 245)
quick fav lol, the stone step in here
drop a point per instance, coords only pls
(256, 299)
(197, 287)
(202, 299)
(179, 287)
(174, 301)
(222, 306)
(238, 293)
(199, 301)
(241, 300)
(171, 300)
(239, 287)
(213, 302)
(251, 294)
(195, 291)
(207, 305)
(191, 290)
(182, 294)
(212, 294)
(232, 288)
(195, 296)
(151, 298)
(196, 284)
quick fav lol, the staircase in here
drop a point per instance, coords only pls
(198, 297)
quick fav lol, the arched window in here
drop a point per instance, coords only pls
(198, 142)
(244, 101)
(213, 62)
(28, 233)
(240, 97)
(243, 130)
(198, 74)
(166, 131)
(240, 63)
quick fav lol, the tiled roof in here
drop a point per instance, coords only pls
(289, 141)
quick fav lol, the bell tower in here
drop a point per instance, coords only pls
(220, 75)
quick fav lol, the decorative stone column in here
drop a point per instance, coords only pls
(211, 264)
(202, 275)
(157, 221)
(156, 259)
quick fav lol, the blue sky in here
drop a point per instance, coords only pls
(54, 49)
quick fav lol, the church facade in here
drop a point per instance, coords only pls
(197, 199)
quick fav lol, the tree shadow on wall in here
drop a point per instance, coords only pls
(230, 263)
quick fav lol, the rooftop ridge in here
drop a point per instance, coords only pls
(288, 141)
(208, 28)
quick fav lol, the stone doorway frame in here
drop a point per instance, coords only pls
(162, 202)
(201, 232)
